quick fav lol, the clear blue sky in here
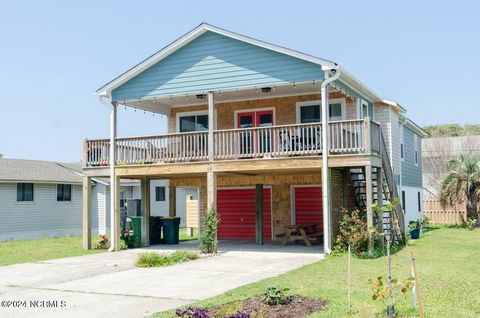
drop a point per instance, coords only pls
(55, 54)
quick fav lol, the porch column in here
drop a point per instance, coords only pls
(259, 214)
(380, 203)
(145, 189)
(87, 213)
(211, 175)
(114, 185)
(368, 204)
(172, 199)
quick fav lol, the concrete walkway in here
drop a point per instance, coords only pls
(109, 284)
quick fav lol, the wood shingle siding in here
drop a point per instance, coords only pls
(216, 62)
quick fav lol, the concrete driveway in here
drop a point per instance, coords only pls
(106, 284)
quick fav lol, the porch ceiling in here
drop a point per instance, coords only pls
(162, 105)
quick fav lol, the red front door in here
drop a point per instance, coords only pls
(254, 142)
(308, 205)
(236, 210)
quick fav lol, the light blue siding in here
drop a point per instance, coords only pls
(411, 173)
(216, 62)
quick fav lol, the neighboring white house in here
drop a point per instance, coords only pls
(44, 199)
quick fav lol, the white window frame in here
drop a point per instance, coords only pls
(192, 113)
(365, 103)
(319, 102)
(402, 143)
(416, 153)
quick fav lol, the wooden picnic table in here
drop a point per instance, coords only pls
(307, 232)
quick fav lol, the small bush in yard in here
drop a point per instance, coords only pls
(209, 234)
(103, 243)
(353, 231)
(154, 259)
(275, 296)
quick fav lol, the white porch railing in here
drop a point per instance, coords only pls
(347, 137)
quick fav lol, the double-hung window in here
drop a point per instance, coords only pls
(311, 112)
(64, 192)
(24, 192)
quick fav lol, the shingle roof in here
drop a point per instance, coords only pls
(38, 171)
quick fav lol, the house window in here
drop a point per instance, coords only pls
(415, 146)
(64, 192)
(159, 193)
(402, 150)
(419, 202)
(403, 201)
(312, 112)
(193, 123)
(24, 192)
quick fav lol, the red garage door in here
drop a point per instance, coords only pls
(308, 205)
(236, 209)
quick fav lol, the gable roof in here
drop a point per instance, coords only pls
(36, 171)
(105, 90)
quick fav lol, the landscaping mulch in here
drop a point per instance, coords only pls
(296, 308)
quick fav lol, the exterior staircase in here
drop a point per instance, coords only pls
(391, 221)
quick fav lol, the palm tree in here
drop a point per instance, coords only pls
(462, 184)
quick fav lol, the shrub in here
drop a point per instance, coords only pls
(103, 243)
(353, 231)
(471, 223)
(275, 296)
(154, 259)
(209, 233)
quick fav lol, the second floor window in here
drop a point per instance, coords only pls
(24, 192)
(402, 150)
(159, 193)
(415, 146)
(193, 123)
(64, 192)
(313, 113)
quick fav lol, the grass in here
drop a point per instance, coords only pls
(184, 237)
(15, 252)
(448, 263)
(154, 259)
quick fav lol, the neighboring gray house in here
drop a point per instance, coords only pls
(39, 199)
(44, 199)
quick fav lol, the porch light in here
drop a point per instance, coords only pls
(201, 96)
(266, 89)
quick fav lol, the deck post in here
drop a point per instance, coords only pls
(114, 187)
(87, 211)
(145, 189)
(368, 205)
(211, 175)
(259, 214)
(172, 199)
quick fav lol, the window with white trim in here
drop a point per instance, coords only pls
(24, 192)
(160, 194)
(402, 147)
(190, 123)
(415, 148)
(312, 112)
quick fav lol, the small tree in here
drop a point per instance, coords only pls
(209, 233)
(462, 184)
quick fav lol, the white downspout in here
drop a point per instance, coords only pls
(327, 244)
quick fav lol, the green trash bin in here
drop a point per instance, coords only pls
(137, 230)
(170, 226)
(155, 230)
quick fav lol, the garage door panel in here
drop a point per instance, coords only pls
(308, 205)
(236, 209)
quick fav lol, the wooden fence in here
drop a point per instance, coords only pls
(448, 215)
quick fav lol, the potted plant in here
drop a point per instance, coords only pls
(414, 227)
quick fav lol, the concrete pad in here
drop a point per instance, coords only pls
(109, 283)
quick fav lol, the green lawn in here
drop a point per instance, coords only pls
(184, 237)
(14, 252)
(448, 263)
